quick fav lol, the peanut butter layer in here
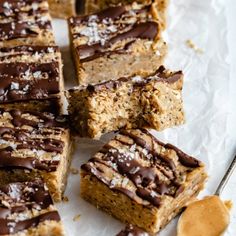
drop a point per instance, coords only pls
(111, 39)
(34, 144)
(25, 22)
(141, 180)
(210, 216)
(27, 209)
(153, 101)
(63, 8)
(31, 73)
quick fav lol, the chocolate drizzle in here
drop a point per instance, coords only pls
(147, 30)
(24, 81)
(20, 198)
(25, 139)
(26, 224)
(17, 26)
(158, 177)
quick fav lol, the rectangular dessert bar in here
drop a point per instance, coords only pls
(26, 209)
(25, 22)
(140, 180)
(31, 78)
(117, 42)
(34, 144)
(92, 6)
(62, 8)
(154, 101)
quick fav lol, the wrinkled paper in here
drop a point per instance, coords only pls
(205, 94)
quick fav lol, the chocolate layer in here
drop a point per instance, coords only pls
(20, 198)
(19, 138)
(113, 25)
(160, 177)
(25, 81)
(24, 19)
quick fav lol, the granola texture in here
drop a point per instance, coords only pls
(154, 101)
(26, 209)
(116, 42)
(62, 8)
(33, 145)
(25, 22)
(140, 180)
(31, 78)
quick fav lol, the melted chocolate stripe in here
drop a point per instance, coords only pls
(184, 159)
(147, 30)
(29, 49)
(112, 13)
(30, 163)
(141, 142)
(35, 197)
(48, 119)
(15, 69)
(16, 227)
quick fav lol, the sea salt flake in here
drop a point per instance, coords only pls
(14, 86)
(37, 74)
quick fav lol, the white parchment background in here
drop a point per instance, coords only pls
(206, 95)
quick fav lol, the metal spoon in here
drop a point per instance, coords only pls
(226, 177)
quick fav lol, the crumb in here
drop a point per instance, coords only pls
(228, 204)
(74, 171)
(76, 218)
(192, 45)
(65, 199)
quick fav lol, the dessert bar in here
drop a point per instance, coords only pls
(25, 22)
(131, 230)
(34, 144)
(62, 8)
(140, 180)
(26, 209)
(31, 78)
(117, 42)
(92, 6)
(154, 101)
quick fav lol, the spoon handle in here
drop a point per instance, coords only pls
(226, 177)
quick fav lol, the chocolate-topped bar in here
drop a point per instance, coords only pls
(153, 101)
(92, 6)
(31, 77)
(140, 180)
(26, 209)
(131, 230)
(116, 42)
(35, 144)
(25, 22)
(63, 8)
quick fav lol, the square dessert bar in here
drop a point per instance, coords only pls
(25, 22)
(31, 78)
(92, 6)
(117, 42)
(140, 180)
(26, 209)
(62, 8)
(32, 145)
(154, 101)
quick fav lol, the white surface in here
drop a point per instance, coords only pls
(208, 131)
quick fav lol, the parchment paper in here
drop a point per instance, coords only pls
(205, 100)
